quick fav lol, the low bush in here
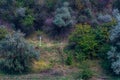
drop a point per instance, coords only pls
(109, 24)
(63, 16)
(80, 4)
(69, 60)
(50, 3)
(114, 53)
(88, 42)
(3, 33)
(116, 4)
(18, 12)
(105, 18)
(27, 24)
(102, 36)
(85, 73)
(41, 66)
(100, 4)
(84, 40)
(17, 55)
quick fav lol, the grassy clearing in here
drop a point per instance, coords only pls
(52, 64)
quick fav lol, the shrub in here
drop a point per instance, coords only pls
(80, 4)
(28, 21)
(116, 4)
(102, 36)
(63, 16)
(82, 19)
(69, 60)
(94, 23)
(88, 12)
(109, 24)
(84, 40)
(26, 24)
(17, 54)
(40, 2)
(6, 11)
(50, 3)
(3, 33)
(87, 42)
(100, 4)
(106, 65)
(85, 72)
(105, 18)
(61, 23)
(9, 8)
(80, 57)
(19, 13)
(25, 3)
(114, 53)
(115, 60)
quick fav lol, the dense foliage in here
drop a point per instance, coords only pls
(116, 4)
(88, 42)
(114, 53)
(84, 40)
(19, 13)
(17, 55)
(3, 33)
(63, 16)
(88, 27)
